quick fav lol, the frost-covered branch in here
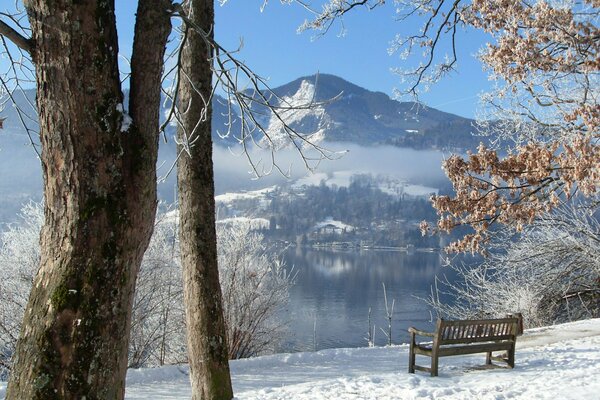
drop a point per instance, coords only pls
(331, 12)
(253, 107)
(550, 272)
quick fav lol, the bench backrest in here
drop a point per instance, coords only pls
(479, 330)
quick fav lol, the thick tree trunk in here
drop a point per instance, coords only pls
(207, 344)
(100, 192)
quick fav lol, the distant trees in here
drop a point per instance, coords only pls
(363, 205)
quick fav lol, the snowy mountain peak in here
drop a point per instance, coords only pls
(298, 114)
(344, 112)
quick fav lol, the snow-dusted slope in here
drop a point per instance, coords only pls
(558, 362)
(303, 114)
(350, 113)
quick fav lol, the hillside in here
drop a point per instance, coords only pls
(341, 209)
(375, 128)
(349, 113)
(341, 112)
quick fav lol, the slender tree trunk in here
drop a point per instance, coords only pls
(207, 344)
(100, 192)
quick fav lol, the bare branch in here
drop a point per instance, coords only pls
(19, 40)
(258, 114)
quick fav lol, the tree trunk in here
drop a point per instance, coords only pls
(207, 344)
(100, 192)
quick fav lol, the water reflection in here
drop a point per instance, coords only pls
(335, 289)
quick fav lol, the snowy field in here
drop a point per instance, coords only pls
(558, 362)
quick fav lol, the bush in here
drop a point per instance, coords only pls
(254, 284)
(550, 273)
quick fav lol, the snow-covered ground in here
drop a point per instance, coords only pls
(558, 362)
(246, 195)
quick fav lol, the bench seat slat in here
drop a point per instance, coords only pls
(477, 340)
(457, 350)
(476, 321)
(473, 349)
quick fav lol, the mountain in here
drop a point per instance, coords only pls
(344, 112)
(338, 111)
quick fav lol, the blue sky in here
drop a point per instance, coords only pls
(274, 49)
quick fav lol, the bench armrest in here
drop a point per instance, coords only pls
(420, 333)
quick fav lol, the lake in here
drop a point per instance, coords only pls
(329, 304)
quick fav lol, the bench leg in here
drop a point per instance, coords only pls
(412, 356)
(488, 358)
(434, 365)
(511, 357)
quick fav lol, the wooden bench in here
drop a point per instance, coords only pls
(453, 338)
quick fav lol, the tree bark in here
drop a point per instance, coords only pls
(100, 193)
(207, 344)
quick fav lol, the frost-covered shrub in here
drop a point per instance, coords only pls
(19, 260)
(549, 273)
(255, 287)
(158, 319)
(254, 284)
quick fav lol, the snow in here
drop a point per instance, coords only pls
(250, 195)
(419, 190)
(337, 178)
(557, 362)
(295, 109)
(127, 121)
(389, 184)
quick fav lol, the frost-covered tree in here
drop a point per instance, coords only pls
(254, 282)
(550, 272)
(544, 58)
(255, 288)
(99, 169)
(158, 335)
(19, 259)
